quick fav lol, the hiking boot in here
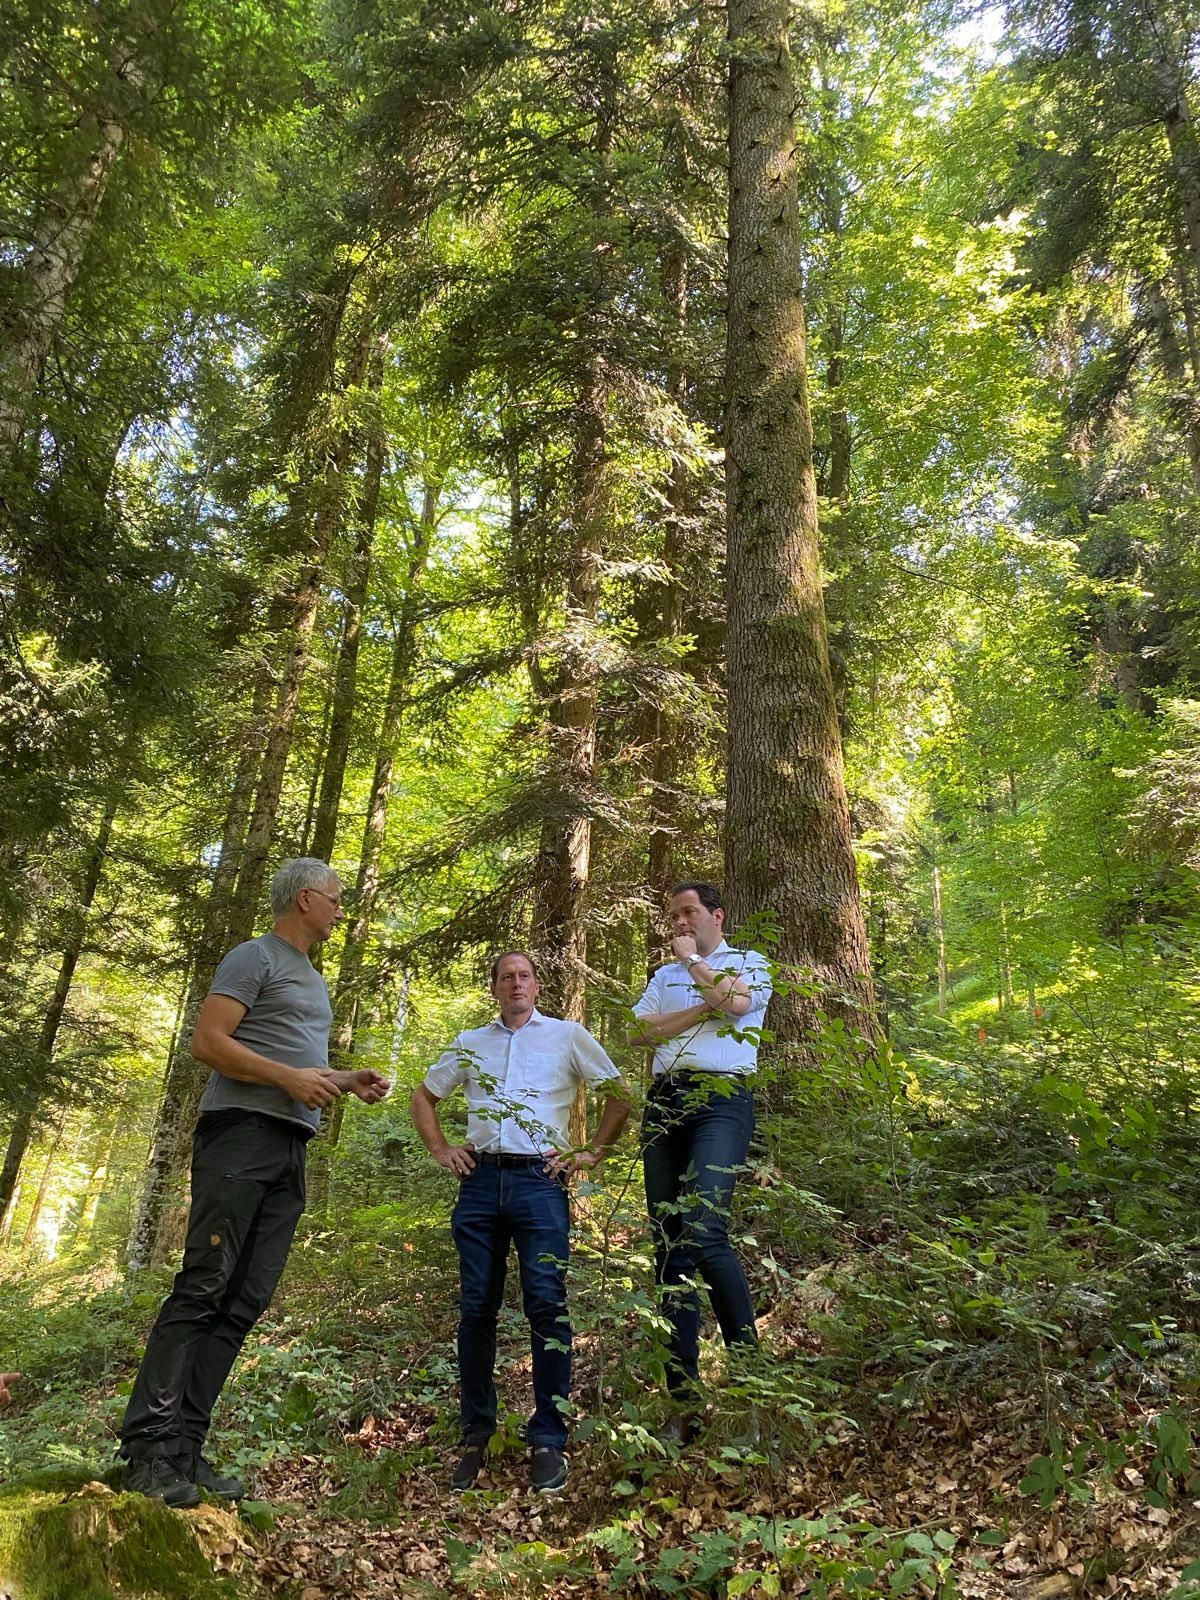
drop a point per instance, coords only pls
(224, 1484)
(469, 1466)
(548, 1469)
(679, 1429)
(162, 1478)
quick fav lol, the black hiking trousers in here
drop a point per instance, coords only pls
(247, 1197)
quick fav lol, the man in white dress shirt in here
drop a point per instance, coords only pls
(520, 1074)
(702, 1013)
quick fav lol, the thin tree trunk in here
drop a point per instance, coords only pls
(560, 914)
(6, 1222)
(348, 991)
(157, 1221)
(230, 919)
(45, 282)
(1187, 304)
(561, 904)
(1169, 56)
(665, 749)
(305, 604)
(318, 768)
(939, 923)
(788, 846)
(1006, 982)
(69, 959)
(39, 1199)
(1182, 396)
(345, 680)
(94, 1188)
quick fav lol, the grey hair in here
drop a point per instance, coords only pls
(304, 872)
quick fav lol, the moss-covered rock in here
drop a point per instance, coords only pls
(66, 1536)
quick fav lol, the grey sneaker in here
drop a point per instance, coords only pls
(548, 1469)
(749, 1436)
(162, 1478)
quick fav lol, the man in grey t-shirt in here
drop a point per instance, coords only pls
(264, 1030)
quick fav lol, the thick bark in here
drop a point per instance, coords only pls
(788, 846)
(345, 681)
(26, 1120)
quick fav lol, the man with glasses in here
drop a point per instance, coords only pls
(520, 1074)
(264, 1031)
(702, 1013)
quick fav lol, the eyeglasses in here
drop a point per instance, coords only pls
(334, 901)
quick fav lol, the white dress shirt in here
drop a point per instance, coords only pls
(520, 1083)
(712, 1045)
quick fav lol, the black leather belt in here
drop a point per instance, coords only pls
(498, 1158)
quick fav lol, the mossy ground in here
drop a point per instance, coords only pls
(67, 1536)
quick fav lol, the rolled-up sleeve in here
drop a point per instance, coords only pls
(589, 1059)
(756, 975)
(448, 1072)
(650, 1004)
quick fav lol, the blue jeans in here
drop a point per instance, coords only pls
(695, 1138)
(498, 1206)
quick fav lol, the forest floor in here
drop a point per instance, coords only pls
(956, 1475)
(948, 1500)
(992, 1389)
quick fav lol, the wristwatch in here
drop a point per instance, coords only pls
(690, 961)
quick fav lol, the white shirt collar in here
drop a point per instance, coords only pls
(721, 949)
(534, 1016)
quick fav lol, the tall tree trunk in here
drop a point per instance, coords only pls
(230, 915)
(348, 991)
(45, 282)
(305, 603)
(1182, 393)
(39, 1199)
(1169, 58)
(788, 846)
(560, 913)
(345, 679)
(26, 1119)
(559, 930)
(664, 754)
(318, 768)
(939, 924)
(157, 1221)
(90, 1199)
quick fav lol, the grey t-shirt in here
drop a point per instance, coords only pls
(288, 1018)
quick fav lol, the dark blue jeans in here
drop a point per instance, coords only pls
(695, 1139)
(498, 1206)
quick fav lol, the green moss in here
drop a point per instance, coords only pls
(65, 1537)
